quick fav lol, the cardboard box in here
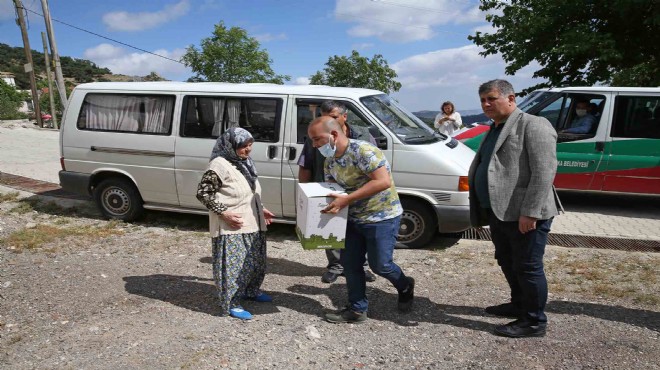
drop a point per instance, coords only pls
(318, 230)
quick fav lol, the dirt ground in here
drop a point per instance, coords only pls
(77, 291)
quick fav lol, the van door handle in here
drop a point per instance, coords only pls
(272, 151)
(600, 146)
(292, 153)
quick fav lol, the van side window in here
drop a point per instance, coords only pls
(144, 114)
(307, 111)
(637, 117)
(210, 116)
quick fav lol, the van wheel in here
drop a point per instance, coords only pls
(118, 199)
(417, 224)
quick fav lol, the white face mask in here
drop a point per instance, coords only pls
(581, 112)
(328, 150)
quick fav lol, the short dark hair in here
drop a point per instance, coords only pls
(329, 105)
(503, 86)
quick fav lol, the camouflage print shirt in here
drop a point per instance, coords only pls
(352, 170)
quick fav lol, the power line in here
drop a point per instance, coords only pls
(105, 37)
(434, 10)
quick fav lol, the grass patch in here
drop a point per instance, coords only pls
(33, 238)
(9, 197)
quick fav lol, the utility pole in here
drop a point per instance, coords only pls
(29, 68)
(61, 87)
(51, 93)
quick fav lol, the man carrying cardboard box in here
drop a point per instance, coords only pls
(374, 215)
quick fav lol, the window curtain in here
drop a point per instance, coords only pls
(157, 114)
(218, 110)
(111, 112)
(233, 112)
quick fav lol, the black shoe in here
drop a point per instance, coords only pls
(407, 296)
(521, 329)
(505, 310)
(346, 316)
(369, 276)
(329, 277)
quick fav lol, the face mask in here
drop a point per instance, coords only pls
(328, 150)
(581, 112)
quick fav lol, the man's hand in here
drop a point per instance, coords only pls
(341, 201)
(526, 224)
(234, 220)
(268, 216)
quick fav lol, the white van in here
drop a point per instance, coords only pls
(145, 145)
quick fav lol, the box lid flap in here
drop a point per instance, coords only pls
(320, 189)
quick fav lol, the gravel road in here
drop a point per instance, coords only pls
(80, 292)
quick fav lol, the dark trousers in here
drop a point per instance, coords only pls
(334, 261)
(521, 258)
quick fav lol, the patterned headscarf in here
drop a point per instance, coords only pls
(225, 147)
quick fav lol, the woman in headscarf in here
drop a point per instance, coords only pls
(230, 190)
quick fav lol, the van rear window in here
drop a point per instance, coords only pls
(134, 113)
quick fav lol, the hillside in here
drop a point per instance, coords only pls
(75, 71)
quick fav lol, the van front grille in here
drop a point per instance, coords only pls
(442, 197)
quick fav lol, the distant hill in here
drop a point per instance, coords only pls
(75, 71)
(468, 116)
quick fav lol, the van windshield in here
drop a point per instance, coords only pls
(410, 129)
(534, 98)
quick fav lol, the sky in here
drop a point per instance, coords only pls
(424, 41)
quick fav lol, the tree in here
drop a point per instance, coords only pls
(10, 101)
(230, 55)
(358, 71)
(579, 43)
(153, 76)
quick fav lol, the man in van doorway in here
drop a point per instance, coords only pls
(511, 191)
(374, 214)
(311, 170)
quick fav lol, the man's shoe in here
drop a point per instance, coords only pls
(329, 277)
(407, 296)
(521, 329)
(240, 313)
(505, 310)
(346, 316)
(369, 276)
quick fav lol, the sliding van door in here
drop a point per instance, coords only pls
(205, 117)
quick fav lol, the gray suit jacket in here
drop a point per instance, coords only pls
(521, 171)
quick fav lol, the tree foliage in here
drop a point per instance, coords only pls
(578, 43)
(230, 55)
(358, 71)
(10, 101)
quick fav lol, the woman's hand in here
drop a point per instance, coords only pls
(268, 216)
(234, 220)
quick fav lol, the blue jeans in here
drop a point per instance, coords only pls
(377, 241)
(521, 258)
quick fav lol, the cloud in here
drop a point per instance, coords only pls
(301, 81)
(125, 21)
(403, 22)
(452, 74)
(266, 37)
(120, 61)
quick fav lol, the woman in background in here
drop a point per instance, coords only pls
(448, 120)
(237, 220)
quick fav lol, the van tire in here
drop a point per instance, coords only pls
(118, 199)
(417, 224)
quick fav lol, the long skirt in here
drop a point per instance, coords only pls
(239, 267)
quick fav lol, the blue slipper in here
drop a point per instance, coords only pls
(262, 297)
(240, 313)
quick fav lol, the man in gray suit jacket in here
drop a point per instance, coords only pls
(511, 191)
